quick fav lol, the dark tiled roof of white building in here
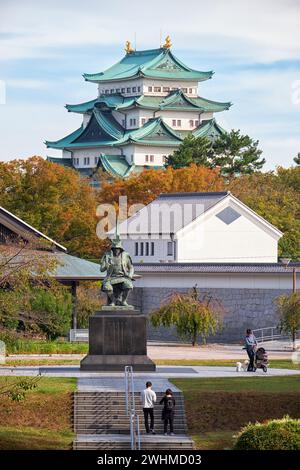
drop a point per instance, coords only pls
(234, 268)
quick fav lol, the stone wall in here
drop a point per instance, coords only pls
(242, 308)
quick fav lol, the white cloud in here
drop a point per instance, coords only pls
(253, 29)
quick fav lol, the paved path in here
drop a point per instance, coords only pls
(161, 372)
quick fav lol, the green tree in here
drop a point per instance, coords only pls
(16, 390)
(190, 316)
(297, 159)
(193, 149)
(289, 310)
(237, 154)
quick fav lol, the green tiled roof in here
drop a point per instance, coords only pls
(116, 165)
(154, 132)
(65, 141)
(175, 100)
(209, 129)
(155, 63)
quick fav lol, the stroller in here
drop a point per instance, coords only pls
(261, 360)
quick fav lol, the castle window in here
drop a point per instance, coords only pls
(184, 90)
(178, 123)
(133, 89)
(142, 249)
(132, 121)
(112, 90)
(152, 248)
(139, 88)
(86, 160)
(191, 123)
(128, 90)
(123, 122)
(152, 158)
(150, 89)
(147, 248)
(106, 92)
(96, 160)
(190, 90)
(143, 121)
(147, 158)
(157, 89)
(196, 123)
(166, 88)
(174, 122)
(170, 249)
(122, 90)
(136, 252)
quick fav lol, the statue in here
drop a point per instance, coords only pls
(119, 274)
(167, 44)
(128, 47)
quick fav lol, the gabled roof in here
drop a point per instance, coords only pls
(21, 228)
(155, 63)
(154, 132)
(187, 209)
(208, 128)
(116, 165)
(174, 100)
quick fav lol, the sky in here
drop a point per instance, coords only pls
(252, 46)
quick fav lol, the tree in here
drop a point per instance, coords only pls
(233, 153)
(289, 310)
(190, 316)
(193, 149)
(237, 154)
(297, 159)
(29, 296)
(53, 199)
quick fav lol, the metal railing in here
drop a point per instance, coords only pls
(270, 333)
(135, 435)
(79, 335)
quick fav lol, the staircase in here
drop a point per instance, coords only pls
(101, 422)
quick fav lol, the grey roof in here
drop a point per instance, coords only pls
(21, 227)
(234, 268)
(73, 268)
(183, 209)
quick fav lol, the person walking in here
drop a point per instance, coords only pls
(168, 411)
(250, 346)
(148, 399)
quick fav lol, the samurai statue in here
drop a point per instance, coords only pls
(119, 274)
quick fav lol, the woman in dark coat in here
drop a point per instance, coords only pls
(168, 411)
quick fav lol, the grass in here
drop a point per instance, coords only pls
(31, 346)
(28, 438)
(217, 408)
(240, 384)
(43, 420)
(275, 363)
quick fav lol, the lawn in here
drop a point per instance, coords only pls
(278, 364)
(43, 420)
(217, 408)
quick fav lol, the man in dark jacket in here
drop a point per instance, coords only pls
(168, 411)
(250, 346)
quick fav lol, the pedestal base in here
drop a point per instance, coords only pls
(117, 339)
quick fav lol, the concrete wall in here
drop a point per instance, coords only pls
(242, 308)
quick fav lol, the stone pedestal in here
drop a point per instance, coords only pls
(117, 338)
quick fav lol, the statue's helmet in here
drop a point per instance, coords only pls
(117, 243)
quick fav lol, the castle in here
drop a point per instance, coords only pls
(146, 104)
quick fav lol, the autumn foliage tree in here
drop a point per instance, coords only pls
(53, 199)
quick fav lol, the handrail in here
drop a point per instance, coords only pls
(274, 334)
(135, 436)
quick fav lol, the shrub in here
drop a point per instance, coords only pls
(277, 434)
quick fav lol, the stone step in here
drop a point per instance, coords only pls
(148, 442)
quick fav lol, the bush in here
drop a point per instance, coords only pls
(277, 434)
(18, 343)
